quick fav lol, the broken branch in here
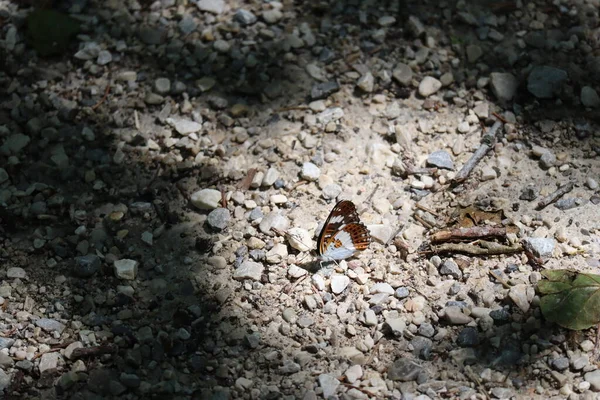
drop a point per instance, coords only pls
(486, 249)
(475, 232)
(558, 193)
(487, 143)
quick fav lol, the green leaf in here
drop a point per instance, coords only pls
(570, 299)
(49, 31)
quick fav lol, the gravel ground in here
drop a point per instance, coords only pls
(144, 165)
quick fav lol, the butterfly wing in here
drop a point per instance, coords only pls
(343, 234)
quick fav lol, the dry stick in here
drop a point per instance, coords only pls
(475, 232)
(368, 200)
(487, 249)
(427, 209)
(103, 99)
(552, 197)
(422, 221)
(247, 181)
(487, 142)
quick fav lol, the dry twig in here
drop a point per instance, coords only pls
(487, 143)
(474, 232)
(486, 248)
(552, 197)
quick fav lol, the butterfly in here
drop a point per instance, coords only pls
(343, 234)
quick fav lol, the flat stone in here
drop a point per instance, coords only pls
(5, 380)
(522, 295)
(86, 266)
(184, 126)
(455, 316)
(14, 144)
(504, 85)
(329, 385)
(310, 171)
(404, 370)
(50, 325)
(339, 283)
(589, 97)
(218, 218)
(381, 233)
(545, 82)
(428, 86)
(249, 270)
(542, 247)
(274, 219)
(206, 199)
(403, 74)
(244, 17)
(272, 16)
(126, 269)
(16, 272)
(211, 6)
(593, 378)
(440, 159)
(323, 90)
(48, 363)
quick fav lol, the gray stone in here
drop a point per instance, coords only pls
(428, 86)
(218, 218)
(426, 329)
(504, 85)
(404, 370)
(542, 247)
(440, 159)
(6, 360)
(50, 325)
(593, 378)
(274, 219)
(272, 16)
(16, 272)
(184, 126)
(403, 74)
(14, 144)
(104, 57)
(6, 343)
(545, 82)
(48, 363)
(244, 17)
(560, 363)
(211, 6)
(3, 175)
(467, 337)
(145, 335)
(86, 266)
(130, 380)
(126, 269)
(402, 292)
(206, 199)
(289, 367)
(455, 316)
(329, 385)
(331, 191)
(323, 90)
(339, 283)
(162, 86)
(395, 326)
(4, 380)
(271, 176)
(502, 393)
(249, 270)
(152, 36)
(449, 267)
(589, 97)
(310, 171)
(187, 24)
(522, 295)
(474, 52)
(366, 83)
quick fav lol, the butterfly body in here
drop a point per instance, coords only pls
(343, 234)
